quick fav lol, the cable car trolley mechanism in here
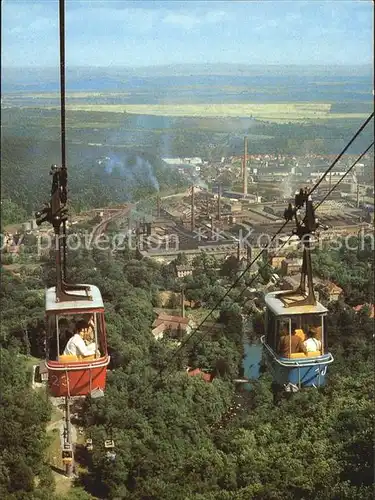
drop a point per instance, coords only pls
(76, 348)
(295, 344)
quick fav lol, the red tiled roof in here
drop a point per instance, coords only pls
(177, 319)
(332, 287)
(172, 321)
(14, 249)
(361, 306)
(158, 329)
(169, 325)
(207, 377)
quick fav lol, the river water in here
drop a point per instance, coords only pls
(251, 361)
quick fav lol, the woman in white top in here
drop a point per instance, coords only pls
(76, 345)
(311, 343)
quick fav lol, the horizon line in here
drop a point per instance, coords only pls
(307, 65)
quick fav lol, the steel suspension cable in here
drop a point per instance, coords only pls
(316, 207)
(238, 279)
(62, 117)
(234, 284)
(62, 81)
(164, 369)
(254, 278)
(346, 173)
(361, 128)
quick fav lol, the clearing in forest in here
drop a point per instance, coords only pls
(274, 112)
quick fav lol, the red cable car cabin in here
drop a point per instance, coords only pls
(69, 374)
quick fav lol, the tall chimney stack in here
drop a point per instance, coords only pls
(219, 202)
(248, 253)
(158, 206)
(137, 235)
(182, 303)
(192, 209)
(357, 204)
(245, 167)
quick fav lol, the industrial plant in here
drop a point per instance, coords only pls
(245, 204)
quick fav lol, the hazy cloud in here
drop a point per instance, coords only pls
(104, 32)
(191, 20)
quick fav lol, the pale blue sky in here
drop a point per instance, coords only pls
(138, 33)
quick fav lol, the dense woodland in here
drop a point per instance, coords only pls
(176, 437)
(115, 157)
(122, 176)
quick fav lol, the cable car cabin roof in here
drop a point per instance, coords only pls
(95, 303)
(278, 307)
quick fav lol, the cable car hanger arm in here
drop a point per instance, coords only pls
(56, 212)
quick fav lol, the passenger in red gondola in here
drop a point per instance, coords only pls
(65, 331)
(312, 344)
(90, 336)
(77, 346)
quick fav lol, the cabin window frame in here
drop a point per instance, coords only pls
(279, 321)
(53, 341)
(61, 315)
(271, 322)
(96, 335)
(57, 333)
(50, 332)
(298, 319)
(322, 325)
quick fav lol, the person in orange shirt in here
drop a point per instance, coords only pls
(290, 344)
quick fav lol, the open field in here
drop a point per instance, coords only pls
(69, 95)
(275, 112)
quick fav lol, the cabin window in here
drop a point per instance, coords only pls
(100, 328)
(271, 329)
(317, 323)
(279, 332)
(288, 344)
(324, 334)
(283, 327)
(51, 340)
(63, 326)
(281, 338)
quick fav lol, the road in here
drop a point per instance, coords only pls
(102, 226)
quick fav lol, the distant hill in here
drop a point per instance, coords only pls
(117, 78)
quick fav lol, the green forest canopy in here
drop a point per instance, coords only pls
(26, 184)
(174, 439)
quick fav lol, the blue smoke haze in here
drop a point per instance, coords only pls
(131, 169)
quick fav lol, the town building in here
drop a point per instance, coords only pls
(173, 325)
(207, 377)
(182, 271)
(291, 266)
(322, 287)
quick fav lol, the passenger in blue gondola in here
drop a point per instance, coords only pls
(312, 344)
(76, 345)
(290, 344)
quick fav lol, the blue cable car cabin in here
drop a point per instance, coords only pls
(295, 344)
(304, 368)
